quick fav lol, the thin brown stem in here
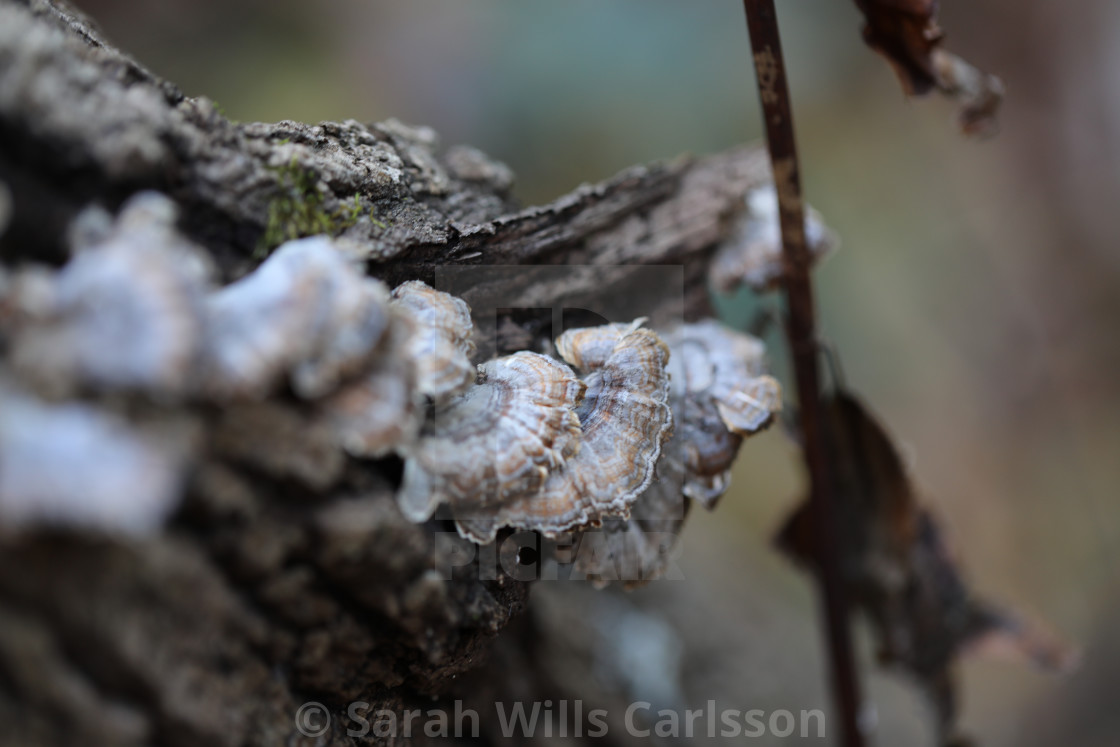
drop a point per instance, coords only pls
(762, 23)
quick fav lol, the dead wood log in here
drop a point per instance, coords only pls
(263, 593)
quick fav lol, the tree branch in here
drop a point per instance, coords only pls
(773, 91)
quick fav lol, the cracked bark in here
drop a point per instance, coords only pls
(262, 595)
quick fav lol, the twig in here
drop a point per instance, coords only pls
(762, 23)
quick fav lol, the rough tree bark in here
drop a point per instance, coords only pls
(259, 596)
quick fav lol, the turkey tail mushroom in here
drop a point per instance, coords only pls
(497, 441)
(306, 314)
(624, 420)
(72, 465)
(124, 315)
(752, 254)
(307, 359)
(442, 345)
(719, 395)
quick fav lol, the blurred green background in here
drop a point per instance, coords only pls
(976, 299)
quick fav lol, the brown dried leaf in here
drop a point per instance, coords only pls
(897, 569)
(979, 94)
(907, 34)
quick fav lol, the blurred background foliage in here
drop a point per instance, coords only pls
(976, 299)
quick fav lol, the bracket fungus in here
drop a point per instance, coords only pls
(441, 345)
(125, 314)
(134, 324)
(637, 549)
(625, 420)
(533, 446)
(425, 357)
(381, 409)
(308, 359)
(305, 314)
(497, 441)
(722, 394)
(719, 395)
(588, 348)
(752, 256)
(74, 465)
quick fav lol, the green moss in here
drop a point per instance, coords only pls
(351, 211)
(298, 210)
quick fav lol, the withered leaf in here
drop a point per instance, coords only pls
(906, 33)
(897, 569)
(978, 93)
